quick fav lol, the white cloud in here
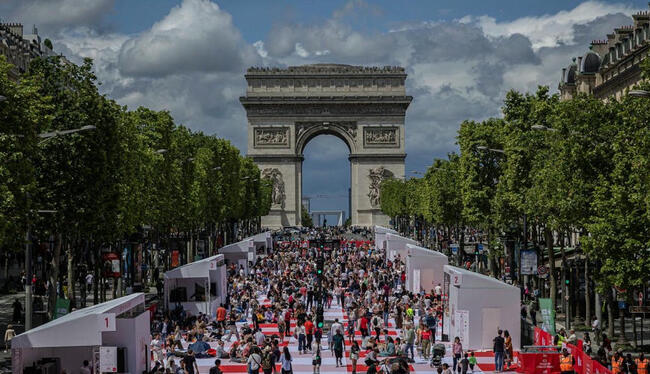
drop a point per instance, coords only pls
(53, 15)
(549, 30)
(457, 70)
(195, 36)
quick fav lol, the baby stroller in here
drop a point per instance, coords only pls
(438, 354)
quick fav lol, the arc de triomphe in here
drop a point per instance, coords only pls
(363, 106)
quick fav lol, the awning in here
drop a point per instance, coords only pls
(81, 328)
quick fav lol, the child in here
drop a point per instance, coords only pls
(472, 361)
(464, 363)
(446, 369)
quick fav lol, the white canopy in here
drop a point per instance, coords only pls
(240, 253)
(478, 305)
(380, 236)
(396, 244)
(196, 269)
(263, 238)
(81, 328)
(424, 268)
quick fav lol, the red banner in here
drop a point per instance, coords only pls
(542, 337)
(539, 363)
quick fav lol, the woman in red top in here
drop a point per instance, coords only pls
(363, 326)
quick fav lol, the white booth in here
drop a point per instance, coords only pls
(199, 286)
(113, 336)
(263, 242)
(380, 236)
(240, 253)
(477, 306)
(396, 245)
(424, 268)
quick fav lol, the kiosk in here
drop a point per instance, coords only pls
(424, 268)
(263, 242)
(380, 236)
(396, 245)
(199, 286)
(113, 336)
(240, 253)
(477, 306)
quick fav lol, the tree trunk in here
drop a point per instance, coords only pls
(492, 265)
(54, 276)
(587, 294)
(548, 235)
(70, 275)
(610, 314)
(96, 272)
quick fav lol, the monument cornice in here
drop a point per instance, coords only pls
(338, 100)
(325, 109)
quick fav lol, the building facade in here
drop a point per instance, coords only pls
(20, 48)
(612, 66)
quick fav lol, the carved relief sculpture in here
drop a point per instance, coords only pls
(377, 175)
(277, 194)
(380, 136)
(271, 136)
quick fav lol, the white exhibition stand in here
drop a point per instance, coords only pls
(380, 236)
(78, 336)
(478, 306)
(240, 253)
(210, 274)
(424, 268)
(263, 240)
(396, 245)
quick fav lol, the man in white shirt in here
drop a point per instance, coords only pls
(337, 326)
(89, 281)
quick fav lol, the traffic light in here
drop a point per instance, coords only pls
(320, 265)
(566, 281)
(319, 317)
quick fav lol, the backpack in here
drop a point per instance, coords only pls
(267, 361)
(375, 321)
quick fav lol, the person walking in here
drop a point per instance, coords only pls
(457, 350)
(508, 349)
(254, 361)
(425, 342)
(338, 341)
(409, 338)
(285, 361)
(354, 356)
(316, 360)
(216, 369)
(498, 349)
(9, 334)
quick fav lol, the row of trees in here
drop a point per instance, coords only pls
(546, 171)
(130, 169)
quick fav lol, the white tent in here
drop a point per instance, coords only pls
(204, 284)
(75, 337)
(240, 253)
(380, 236)
(478, 306)
(396, 245)
(424, 268)
(264, 241)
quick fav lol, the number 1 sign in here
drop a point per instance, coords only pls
(107, 322)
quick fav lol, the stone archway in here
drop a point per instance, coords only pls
(363, 106)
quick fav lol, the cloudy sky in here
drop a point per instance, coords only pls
(189, 56)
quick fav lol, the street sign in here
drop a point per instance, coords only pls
(528, 262)
(480, 247)
(639, 309)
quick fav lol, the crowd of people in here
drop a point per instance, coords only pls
(369, 290)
